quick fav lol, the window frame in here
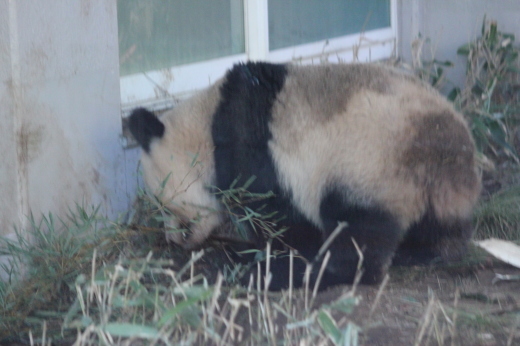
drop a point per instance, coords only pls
(160, 89)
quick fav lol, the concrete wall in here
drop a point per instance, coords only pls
(60, 109)
(9, 193)
(450, 24)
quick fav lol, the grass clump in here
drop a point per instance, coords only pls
(42, 263)
(89, 281)
(490, 97)
(145, 302)
(491, 102)
(499, 216)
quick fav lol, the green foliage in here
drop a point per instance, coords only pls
(347, 335)
(86, 282)
(236, 199)
(141, 299)
(492, 72)
(43, 262)
(432, 71)
(499, 216)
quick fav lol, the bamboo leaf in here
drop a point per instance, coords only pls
(329, 327)
(131, 330)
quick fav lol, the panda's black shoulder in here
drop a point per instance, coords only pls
(240, 124)
(247, 96)
(251, 75)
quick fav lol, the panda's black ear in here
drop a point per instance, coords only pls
(145, 126)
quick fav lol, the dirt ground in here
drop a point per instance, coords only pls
(458, 304)
(485, 313)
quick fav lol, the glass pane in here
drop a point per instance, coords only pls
(294, 22)
(156, 34)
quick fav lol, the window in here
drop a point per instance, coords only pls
(292, 24)
(158, 34)
(169, 48)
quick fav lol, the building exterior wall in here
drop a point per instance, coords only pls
(9, 200)
(60, 116)
(448, 24)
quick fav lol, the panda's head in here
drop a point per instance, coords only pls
(177, 165)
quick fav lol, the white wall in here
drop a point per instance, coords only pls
(60, 109)
(9, 197)
(452, 23)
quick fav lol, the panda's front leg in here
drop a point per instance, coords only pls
(173, 233)
(370, 230)
(201, 229)
(431, 240)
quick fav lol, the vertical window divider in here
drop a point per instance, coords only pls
(256, 25)
(394, 23)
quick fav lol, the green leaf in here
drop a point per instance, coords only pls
(249, 251)
(163, 183)
(454, 93)
(177, 309)
(498, 115)
(345, 305)
(445, 63)
(278, 233)
(513, 69)
(512, 57)
(329, 326)
(350, 335)
(86, 321)
(249, 182)
(465, 49)
(499, 135)
(74, 310)
(119, 301)
(493, 32)
(131, 330)
(194, 161)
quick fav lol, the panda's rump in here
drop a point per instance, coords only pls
(404, 150)
(352, 149)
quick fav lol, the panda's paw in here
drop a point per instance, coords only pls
(175, 238)
(191, 246)
(184, 240)
(452, 249)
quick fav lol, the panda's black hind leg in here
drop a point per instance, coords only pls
(431, 240)
(375, 231)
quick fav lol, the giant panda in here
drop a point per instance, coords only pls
(363, 144)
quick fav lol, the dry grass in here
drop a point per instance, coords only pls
(93, 283)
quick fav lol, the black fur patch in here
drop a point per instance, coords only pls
(145, 126)
(429, 241)
(240, 128)
(375, 231)
(302, 236)
(240, 132)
